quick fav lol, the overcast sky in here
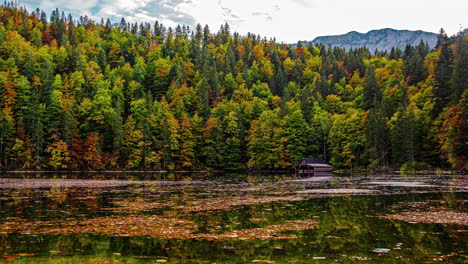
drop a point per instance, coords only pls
(286, 20)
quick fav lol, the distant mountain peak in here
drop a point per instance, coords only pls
(382, 39)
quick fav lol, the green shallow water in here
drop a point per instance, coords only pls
(47, 219)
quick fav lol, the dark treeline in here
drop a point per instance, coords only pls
(76, 94)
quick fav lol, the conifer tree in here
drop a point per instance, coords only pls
(372, 95)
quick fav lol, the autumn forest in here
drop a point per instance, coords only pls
(77, 94)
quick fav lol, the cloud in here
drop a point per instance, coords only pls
(241, 11)
(76, 8)
(305, 3)
(169, 12)
(265, 15)
(229, 15)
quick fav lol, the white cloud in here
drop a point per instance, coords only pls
(169, 12)
(70, 5)
(128, 5)
(303, 2)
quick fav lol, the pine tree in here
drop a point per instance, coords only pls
(459, 80)
(377, 138)
(443, 73)
(372, 94)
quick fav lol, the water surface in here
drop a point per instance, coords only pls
(238, 218)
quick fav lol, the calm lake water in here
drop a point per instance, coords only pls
(201, 218)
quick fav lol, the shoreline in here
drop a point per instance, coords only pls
(339, 172)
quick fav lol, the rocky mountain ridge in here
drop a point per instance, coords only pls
(382, 39)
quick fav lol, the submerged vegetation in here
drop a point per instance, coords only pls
(78, 94)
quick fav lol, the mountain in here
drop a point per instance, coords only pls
(383, 39)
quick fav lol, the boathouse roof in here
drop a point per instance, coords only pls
(311, 161)
(316, 163)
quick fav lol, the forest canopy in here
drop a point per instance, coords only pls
(79, 94)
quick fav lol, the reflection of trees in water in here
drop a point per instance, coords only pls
(20, 197)
(5, 243)
(344, 226)
(57, 196)
(432, 239)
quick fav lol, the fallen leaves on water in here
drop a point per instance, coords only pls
(440, 217)
(336, 191)
(429, 205)
(224, 203)
(257, 220)
(198, 205)
(16, 183)
(13, 257)
(136, 206)
(361, 258)
(429, 211)
(272, 232)
(402, 184)
(7, 183)
(136, 225)
(153, 226)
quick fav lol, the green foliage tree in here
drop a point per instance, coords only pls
(262, 141)
(347, 139)
(93, 96)
(132, 144)
(296, 136)
(232, 144)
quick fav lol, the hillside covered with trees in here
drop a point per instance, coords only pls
(78, 94)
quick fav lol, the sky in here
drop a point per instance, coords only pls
(288, 21)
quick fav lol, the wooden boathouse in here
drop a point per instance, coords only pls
(312, 167)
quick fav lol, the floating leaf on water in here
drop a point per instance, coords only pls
(361, 258)
(257, 220)
(381, 250)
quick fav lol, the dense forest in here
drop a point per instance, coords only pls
(80, 94)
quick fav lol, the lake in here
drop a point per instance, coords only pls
(232, 218)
